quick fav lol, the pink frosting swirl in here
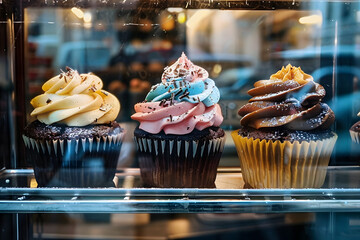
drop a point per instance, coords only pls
(179, 118)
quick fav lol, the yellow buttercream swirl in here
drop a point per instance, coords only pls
(292, 73)
(75, 100)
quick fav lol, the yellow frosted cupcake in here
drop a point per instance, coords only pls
(285, 140)
(75, 141)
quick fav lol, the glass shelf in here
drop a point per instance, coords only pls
(340, 193)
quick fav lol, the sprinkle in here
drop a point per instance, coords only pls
(162, 102)
(187, 128)
(48, 100)
(65, 79)
(178, 93)
(60, 76)
(96, 119)
(93, 88)
(186, 94)
(105, 93)
(198, 99)
(170, 118)
(102, 108)
(171, 99)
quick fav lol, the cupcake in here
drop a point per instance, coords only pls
(355, 132)
(285, 139)
(75, 141)
(179, 139)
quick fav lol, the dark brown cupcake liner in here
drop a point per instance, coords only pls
(84, 162)
(179, 163)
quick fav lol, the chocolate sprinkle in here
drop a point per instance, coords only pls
(93, 88)
(178, 93)
(48, 101)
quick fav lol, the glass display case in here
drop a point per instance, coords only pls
(128, 45)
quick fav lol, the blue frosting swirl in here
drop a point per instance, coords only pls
(180, 90)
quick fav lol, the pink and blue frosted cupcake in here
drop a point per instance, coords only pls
(179, 139)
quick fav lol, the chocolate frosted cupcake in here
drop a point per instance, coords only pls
(285, 140)
(74, 142)
(179, 139)
(355, 131)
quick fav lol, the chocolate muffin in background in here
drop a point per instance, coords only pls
(285, 140)
(179, 139)
(75, 141)
(355, 131)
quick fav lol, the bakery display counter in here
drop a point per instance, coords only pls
(19, 194)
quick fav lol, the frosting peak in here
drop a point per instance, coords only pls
(75, 100)
(185, 69)
(291, 73)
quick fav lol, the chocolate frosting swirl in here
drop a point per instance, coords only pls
(290, 103)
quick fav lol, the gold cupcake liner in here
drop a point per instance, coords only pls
(355, 136)
(276, 164)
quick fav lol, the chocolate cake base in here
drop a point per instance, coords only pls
(180, 161)
(285, 135)
(355, 127)
(71, 156)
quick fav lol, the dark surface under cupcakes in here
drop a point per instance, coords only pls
(180, 161)
(285, 135)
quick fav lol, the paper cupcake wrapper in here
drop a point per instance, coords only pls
(58, 147)
(74, 163)
(179, 163)
(276, 164)
(158, 146)
(355, 136)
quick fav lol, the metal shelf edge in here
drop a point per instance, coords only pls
(178, 206)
